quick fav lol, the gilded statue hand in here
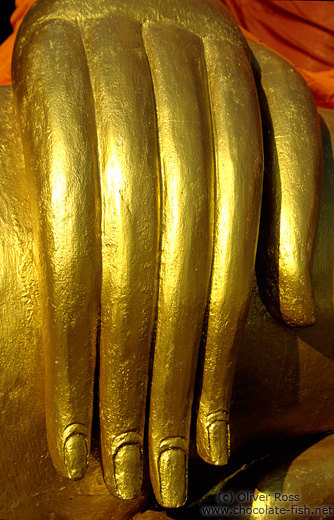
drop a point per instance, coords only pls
(143, 148)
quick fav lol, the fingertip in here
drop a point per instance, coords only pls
(169, 471)
(69, 448)
(172, 468)
(213, 439)
(76, 456)
(123, 465)
(298, 307)
(128, 471)
(70, 455)
(290, 298)
(219, 442)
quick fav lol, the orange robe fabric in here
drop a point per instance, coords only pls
(6, 49)
(301, 31)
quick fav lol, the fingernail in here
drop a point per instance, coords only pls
(172, 472)
(219, 442)
(76, 455)
(128, 471)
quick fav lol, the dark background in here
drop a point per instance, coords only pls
(6, 9)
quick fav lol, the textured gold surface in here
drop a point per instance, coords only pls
(140, 88)
(139, 213)
(285, 389)
(314, 463)
(239, 168)
(59, 140)
(292, 188)
(183, 126)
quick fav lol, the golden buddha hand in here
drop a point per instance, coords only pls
(143, 149)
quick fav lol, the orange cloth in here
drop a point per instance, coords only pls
(6, 49)
(302, 31)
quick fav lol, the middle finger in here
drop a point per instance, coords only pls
(125, 118)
